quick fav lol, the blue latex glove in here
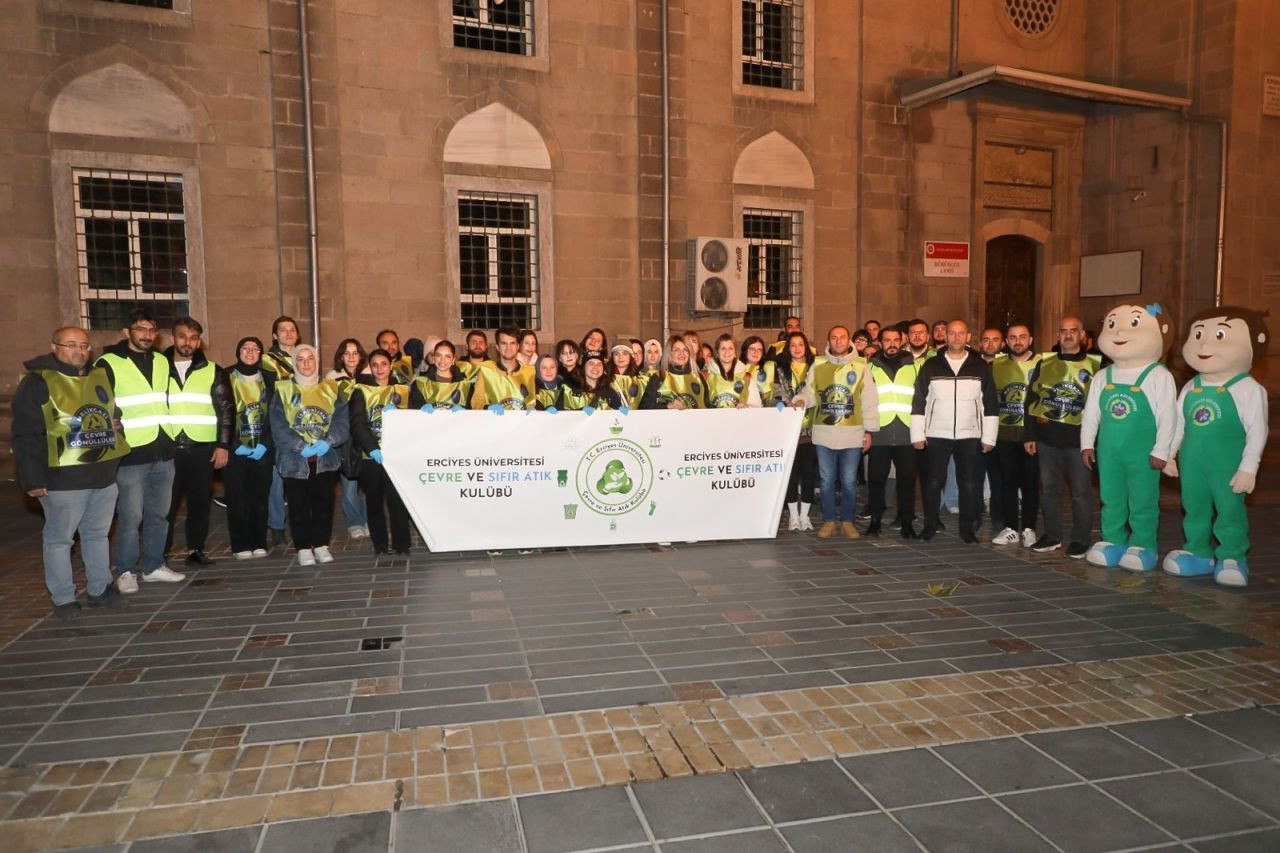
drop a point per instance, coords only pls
(320, 448)
(389, 407)
(625, 410)
(497, 409)
(243, 450)
(308, 451)
(551, 410)
(588, 410)
(376, 456)
(429, 408)
(258, 452)
(455, 408)
(780, 405)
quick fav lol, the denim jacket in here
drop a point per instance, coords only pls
(289, 445)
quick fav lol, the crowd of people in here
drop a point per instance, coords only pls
(137, 432)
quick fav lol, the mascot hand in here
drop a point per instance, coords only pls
(1171, 468)
(244, 450)
(376, 456)
(1242, 483)
(497, 409)
(1089, 457)
(429, 408)
(1156, 462)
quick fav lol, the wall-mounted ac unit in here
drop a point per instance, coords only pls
(717, 274)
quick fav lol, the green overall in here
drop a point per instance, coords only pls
(1130, 486)
(1212, 445)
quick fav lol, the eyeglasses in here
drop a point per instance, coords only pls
(72, 345)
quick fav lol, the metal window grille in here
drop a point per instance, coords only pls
(775, 262)
(131, 245)
(1031, 17)
(498, 261)
(773, 43)
(150, 4)
(503, 26)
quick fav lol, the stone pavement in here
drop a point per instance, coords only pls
(632, 682)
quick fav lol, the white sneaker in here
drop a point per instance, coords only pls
(244, 555)
(306, 557)
(322, 554)
(1008, 536)
(806, 523)
(126, 583)
(356, 531)
(364, 529)
(259, 552)
(793, 517)
(1028, 537)
(954, 510)
(164, 574)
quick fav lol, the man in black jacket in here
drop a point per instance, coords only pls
(68, 445)
(954, 413)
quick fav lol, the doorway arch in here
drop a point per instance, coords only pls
(1012, 270)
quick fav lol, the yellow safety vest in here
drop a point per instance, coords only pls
(727, 393)
(839, 391)
(143, 402)
(278, 363)
(686, 387)
(308, 409)
(443, 395)
(78, 419)
(251, 408)
(765, 375)
(376, 397)
(1061, 388)
(630, 388)
(895, 392)
(402, 369)
(1011, 378)
(513, 391)
(191, 405)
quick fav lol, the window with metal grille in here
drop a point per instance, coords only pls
(150, 4)
(773, 43)
(498, 264)
(131, 245)
(502, 26)
(774, 266)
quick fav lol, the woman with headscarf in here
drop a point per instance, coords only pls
(369, 400)
(349, 364)
(547, 397)
(794, 364)
(247, 478)
(679, 385)
(652, 361)
(309, 422)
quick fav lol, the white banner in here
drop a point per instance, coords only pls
(475, 480)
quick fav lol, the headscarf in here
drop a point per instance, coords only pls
(248, 370)
(644, 355)
(298, 376)
(414, 349)
(542, 383)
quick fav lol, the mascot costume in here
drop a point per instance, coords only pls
(1219, 436)
(1131, 412)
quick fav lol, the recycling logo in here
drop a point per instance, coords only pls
(1120, 407)
(1204, 413)
(614, 476)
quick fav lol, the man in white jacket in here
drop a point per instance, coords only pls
(954, 413)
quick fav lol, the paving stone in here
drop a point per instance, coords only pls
(751, 841)
(870, 832)
(1254, 727)
(977, 826)
(1184, 805)
(577, 820)
(803, 791)
(1265, 841)
(1255, 782)
(908, 778)
(1001, 766)
(1080, 818)
(364, 833)
(1183, 742)
(243, 840)
(489, 826)
(696, 804)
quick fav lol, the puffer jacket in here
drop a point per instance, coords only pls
(955, 404)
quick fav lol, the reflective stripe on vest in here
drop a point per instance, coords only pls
(895, 392)
(191, 406)
(144, 407)
(78, 416)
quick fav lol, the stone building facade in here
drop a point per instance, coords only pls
(485, 161)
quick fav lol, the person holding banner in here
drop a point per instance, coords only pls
(247, 477)
(506, 383)
(792, 369)
(848, 411)
(729, 381)
(443, 385)
(625, 376)
(595, 392)
(547, 396)
(309, 421)
(368, 402)
(762, 371)
(679, 386)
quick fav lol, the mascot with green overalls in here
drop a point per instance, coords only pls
(1130, 412)
(1219, 436)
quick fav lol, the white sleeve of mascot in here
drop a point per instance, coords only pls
(1179, 424)
(1162, 391)
(1092, 413)
(1251, 404)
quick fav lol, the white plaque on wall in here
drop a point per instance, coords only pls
(1112, 274)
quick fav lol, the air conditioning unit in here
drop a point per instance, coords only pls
(717, 274)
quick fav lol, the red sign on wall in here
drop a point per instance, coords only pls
(943, 259)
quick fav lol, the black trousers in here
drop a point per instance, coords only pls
(1019, 475)
(192, 480)
(938, 452)
(246, 485)
(310, 508)
(804, 474)
(989, 470)
(903, 459)
(379, 491)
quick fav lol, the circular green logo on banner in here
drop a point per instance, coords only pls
(614, 476)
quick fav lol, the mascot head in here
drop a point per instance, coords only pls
(1224, 341)
(1134, 335)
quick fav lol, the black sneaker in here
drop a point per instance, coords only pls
(968, 537)
(908, 530)
(1044, 544)
(1076, 551)
(68, 612)
(110, 597)
(200, 558)
(873, 529)
(930, 530)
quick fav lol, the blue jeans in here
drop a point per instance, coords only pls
(841, 465)
(275, 502)
(90, 511)
(145, 492)
(353, 508)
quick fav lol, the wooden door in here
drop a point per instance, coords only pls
(1011, 281)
